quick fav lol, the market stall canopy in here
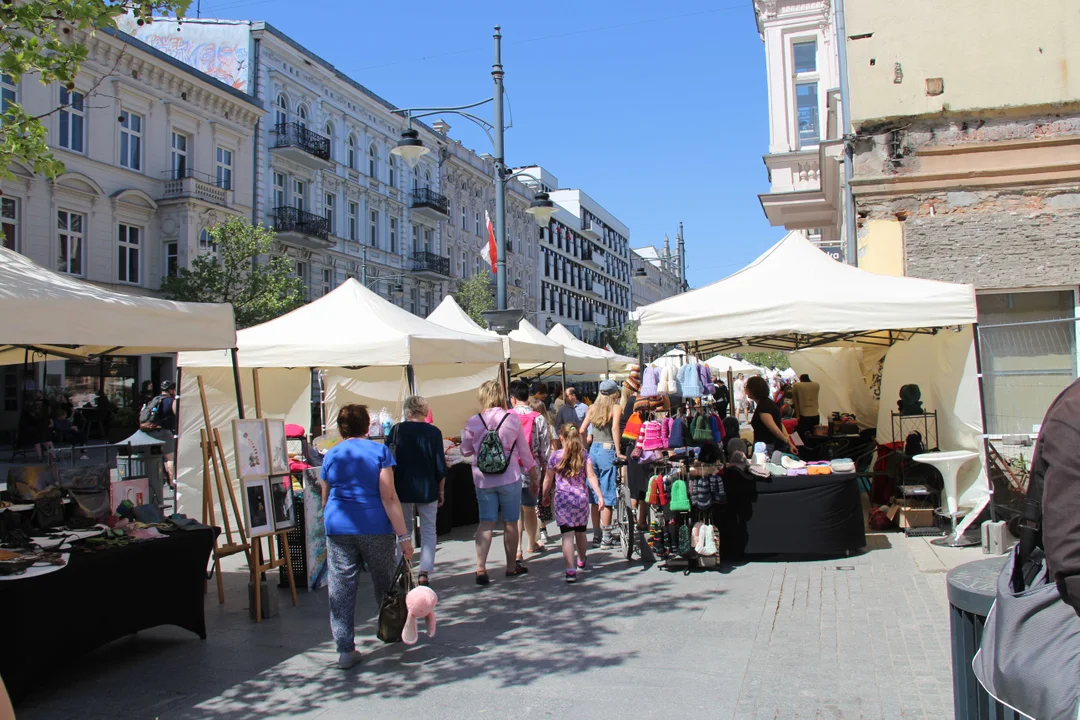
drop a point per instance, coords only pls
(720, 364)
(795, 296)
(43, 308)
(515, 348)
(584, 358)
(351, 327)
(675, 357)
(528, 333)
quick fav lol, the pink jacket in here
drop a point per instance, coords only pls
(514, 443)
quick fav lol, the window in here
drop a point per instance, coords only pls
(8, 92)
(224, 168)
(414, 296)
(393, 234)
(428, 234)
(328, 213)
(206, 242)
(72, 120)
(127, 258)
(804, 61)
(330, 137)
(429, 299)
(354, 213)
(172, 259)
(130, 140)
(279, 190)
(415, 238)
(301, 272)
(301, 117)
(373, 162)
(477, 218)
(299, 194)
(464, 216)
(327, 281)
(350, 152)
(179, 161)
(281, 112)
(71, 228)
(9, 222)
(391, 168)
(373, 232)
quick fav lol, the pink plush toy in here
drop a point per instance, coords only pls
(421, 602)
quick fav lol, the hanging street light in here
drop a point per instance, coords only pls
(542, 209)
(410, 148)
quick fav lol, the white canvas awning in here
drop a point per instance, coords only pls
(352, 326)
(720, 364)
(581, 357)
(42, 308)
(519, 348)
(794, 296)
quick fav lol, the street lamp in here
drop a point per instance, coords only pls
(410, 149)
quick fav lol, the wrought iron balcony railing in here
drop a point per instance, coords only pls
(290, 219)
(423, 261)
(298, 136)
(426, 197)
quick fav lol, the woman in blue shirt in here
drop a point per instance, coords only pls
(363, 521)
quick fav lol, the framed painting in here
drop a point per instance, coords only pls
(252, 459)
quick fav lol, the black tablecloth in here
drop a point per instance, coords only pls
(811, 515)
(99, 597)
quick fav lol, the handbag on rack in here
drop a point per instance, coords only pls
(393, 612)
(1030, 648)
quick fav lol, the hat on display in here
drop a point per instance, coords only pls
(609, 387)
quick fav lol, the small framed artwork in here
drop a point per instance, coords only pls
(281, 496)
(257, 507)
(252, 460)
(137, 490)
(278, 446)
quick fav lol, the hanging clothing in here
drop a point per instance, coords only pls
(650, 382)
(707, 386)
(690, 381)
(667, 381)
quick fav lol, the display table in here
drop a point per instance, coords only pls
(802, 515)
(99, 597)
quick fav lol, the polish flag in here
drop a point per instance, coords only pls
(490, 253)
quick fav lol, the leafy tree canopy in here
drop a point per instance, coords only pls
(42, 40)
(475, 298)
(244, 271)
(769, 360)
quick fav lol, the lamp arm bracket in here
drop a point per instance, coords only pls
(418, 113)
(521, 173)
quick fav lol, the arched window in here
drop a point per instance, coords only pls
(281, 113)
(301, 116)
(330, 137)
(373, 161)
(206, 243)
(427, 179)
(391, 169)
(350, 150)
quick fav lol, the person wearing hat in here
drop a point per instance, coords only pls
(602, 422)
(162, 425)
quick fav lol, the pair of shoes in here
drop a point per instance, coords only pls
(544, 539)
(347, 660)
(482, 578)
(571, 576)
(607, 543)
(519, 569)
(422, 579)
(581, 564)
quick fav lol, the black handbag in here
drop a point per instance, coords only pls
(393, 612)
(48, 510)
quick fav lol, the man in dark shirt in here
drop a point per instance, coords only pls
(723, 399)
(164, 420)
(1057, 461)
(567, 414)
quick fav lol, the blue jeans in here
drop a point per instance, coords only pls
(505, 498)
(603, 460)
(428, 513)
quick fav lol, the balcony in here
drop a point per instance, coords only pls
(591, 230)
(430, 204)
(297, 143)
(295, 226)
(805, 187)
(593, 259)
(183, 184)
(430, 266)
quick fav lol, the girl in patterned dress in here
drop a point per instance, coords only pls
(570, 472)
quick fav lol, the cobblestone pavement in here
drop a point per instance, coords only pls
(860, 637)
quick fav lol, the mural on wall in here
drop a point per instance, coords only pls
(219, 50)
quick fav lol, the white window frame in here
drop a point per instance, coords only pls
(477, 216)
(354, 220)
(72, 114)
(66, 236)
(327, 280)
(301, 271)
(223, 161)
(350, 152)
(281, 111)
(391, 169)
(128, 249)
(299, 194)
(806, 78)
(301, 117)
(464, 217)
(393, 234)
(10, 220)
(179, 148)
(281, 183)
(330, 136)
(415, 237)
(373, 228)
(207, 246)
(373, 162)
(9, 92)
(328, 212)
(171, 255)
(131, 140)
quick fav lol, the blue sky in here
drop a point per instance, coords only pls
(656, 110)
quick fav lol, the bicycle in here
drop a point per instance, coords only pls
(624, 515)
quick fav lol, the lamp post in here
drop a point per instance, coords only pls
(410, 149)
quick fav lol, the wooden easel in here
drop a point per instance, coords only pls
(257, 566)
(214, 454)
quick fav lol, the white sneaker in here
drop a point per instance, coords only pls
(544, 537)
(349, 659)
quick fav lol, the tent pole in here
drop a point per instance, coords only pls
(236, 384)
(982, 415)
(410, 376)
(563, 382)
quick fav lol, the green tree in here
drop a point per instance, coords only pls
(475, 298)
(770, 360)
(243, 271)
(44, 39)
(622, 338)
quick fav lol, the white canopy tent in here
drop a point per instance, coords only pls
(587, 359)
(721, 364)
(44, 309)
(518, 348)
(851, 331)
(369, 351)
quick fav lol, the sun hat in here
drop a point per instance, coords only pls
(609, 387)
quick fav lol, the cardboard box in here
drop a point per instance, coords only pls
(912, 515)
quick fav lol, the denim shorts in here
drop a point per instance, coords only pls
(527, 498)
(604, 463)
(505, 498)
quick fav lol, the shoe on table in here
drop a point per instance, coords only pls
(349, 659)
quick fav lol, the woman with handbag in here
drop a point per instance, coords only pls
(419, 475)
(363, 520)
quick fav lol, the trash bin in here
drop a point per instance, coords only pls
(971, 589)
